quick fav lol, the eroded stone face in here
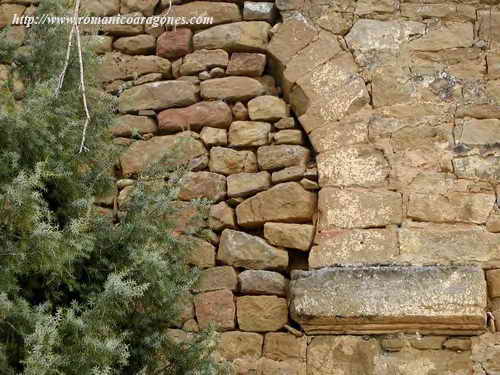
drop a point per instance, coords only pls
(376, 299)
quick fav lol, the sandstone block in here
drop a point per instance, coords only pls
(358, 209)
(239, 36)
(493, 66)
(221, 216)
(174, 44)
(479, 132)
(288, 174)
(451, 35)
(451, 207)
(118, 66)
(145, 7)
(355, 247)
(246, 184)
(294, 236)
(135, 45)
(263, 282)
(246, 64)
(281, 346)
(215, 114)
(201, 254)
(202, 185)
(123, 28)
(493, 279)
(158, 95)
(101, 8)
(240, 249)
(449, 244)
(475, 166)
(369, 300)
(223, 277)
(214, 136)
(267, 108)
(174, 149)
(231, 89)
(259, 11)
(353, 166)
(282, 156)
(215, 308)
(202, 60)
(249, 133)
(291, 37)
(220, 12)
(227, 161)
(127, 125)
(289, 136)
(261, 313)
(285, 123)
(236, 344)
(458, 345)
(240, 112)
(288, 202)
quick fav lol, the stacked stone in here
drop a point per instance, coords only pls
(200, 94)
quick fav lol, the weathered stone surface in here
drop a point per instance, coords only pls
(231, 89)
(204, 59)
(236, 344)
(285, 123)
(288, 174)
(177, 149)
(267, 108)
(135, 45)
(451, 35)
(215, 308)
(451, 207)
(216, 114)
(384, 299)
(457, 344)
(493, 66)
(287, 202)
(175, 43)
(281, 346)
(289, 136)
(220, 12)
(127, 125)
(227, 161)
(493, 279)
(145, 7)
(158, 95)
(246, 184)
(249, 133)
(101, 7)
(123, 28)
(259, 11)
(291, 37)
(223, 277)
(449, 244)
(263, 282)
(240, 249)
(261, 313)
(355, 247)
(358, 209)
(202, 253)
(282, 156)
(239, 36)
(367, 35)
(246, 64)
(202, 185)
(240, 112)
(427, 342)
(221, 216)
(479, 132)
(214, 136)
(486, 353)
(359, 355)
(294, 236)
(475, 166)
(353, 166)
(118, 66)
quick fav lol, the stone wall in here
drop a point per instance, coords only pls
(351, 149)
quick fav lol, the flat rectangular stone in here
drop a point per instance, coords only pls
(373, 300)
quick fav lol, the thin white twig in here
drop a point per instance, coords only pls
(82, 82)
(66, 63)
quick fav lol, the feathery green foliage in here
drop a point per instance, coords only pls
(82, 292)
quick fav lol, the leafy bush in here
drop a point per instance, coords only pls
(83, 290)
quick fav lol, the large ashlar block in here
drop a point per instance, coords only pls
(374, 300)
